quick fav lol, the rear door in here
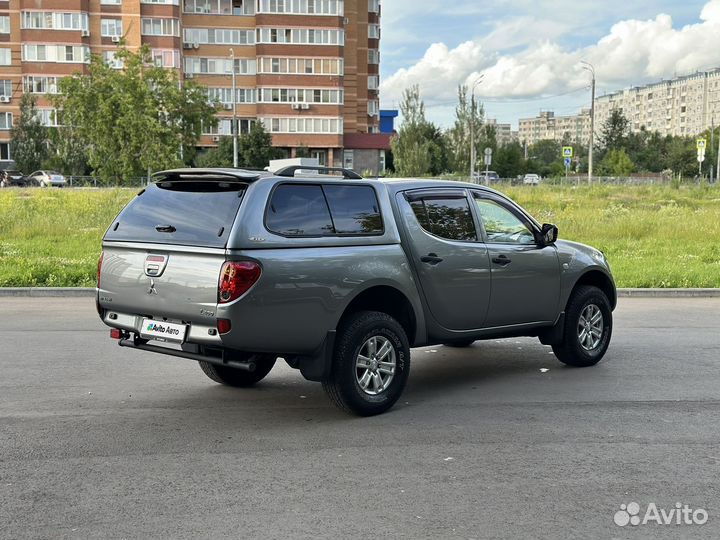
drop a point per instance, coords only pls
(525, 277)
(452, 263)
(163, 253)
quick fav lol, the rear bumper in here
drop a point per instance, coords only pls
(200, 333)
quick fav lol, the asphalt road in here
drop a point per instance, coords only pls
(102, 442)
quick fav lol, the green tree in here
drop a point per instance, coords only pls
(420, 147)
(615, 131)
(29, 138)
(219, 156)
(135, 119)
(255, 148)
(469, 116)
(545, 158)
(509, 160)
(616, 163)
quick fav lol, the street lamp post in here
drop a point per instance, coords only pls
(589, 67)
(472, 128)
(234, 127)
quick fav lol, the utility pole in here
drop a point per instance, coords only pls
(589, 67)
(234, 127)
(712, 146)
(472, 129)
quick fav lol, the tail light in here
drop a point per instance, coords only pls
(236, 278)
(224, 326)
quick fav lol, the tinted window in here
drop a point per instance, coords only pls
(446, 218)
(354, 209)
(189, 213)
(299, 210)
(501, 225)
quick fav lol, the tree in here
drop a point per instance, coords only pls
(29, 138)
(255, 148)
(219, 156)
(616, 163)
(419, 147)
(615, 131)
(509, 161)
(469, 116)
(135, 119)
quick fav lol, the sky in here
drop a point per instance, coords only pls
(528, 52)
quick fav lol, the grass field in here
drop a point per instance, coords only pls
(653, 236)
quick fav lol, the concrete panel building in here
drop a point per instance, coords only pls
(307, 69)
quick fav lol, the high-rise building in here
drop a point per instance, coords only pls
(307, 69)
(682, 106)
(571, 129)
(504, 133)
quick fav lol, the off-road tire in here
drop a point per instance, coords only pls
(342, 386)
(240, 378)
(569, 351)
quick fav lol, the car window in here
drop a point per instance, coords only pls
(299, 210)
(354, 209)
(501, 225)
(324, 210)
(448, 218)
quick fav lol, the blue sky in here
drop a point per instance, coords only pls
(530, 50)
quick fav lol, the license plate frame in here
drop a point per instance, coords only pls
(163, 331)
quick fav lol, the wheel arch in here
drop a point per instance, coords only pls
(386, 299)
(597, 278)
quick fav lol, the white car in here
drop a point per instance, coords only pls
(531, 179)
(46, 179)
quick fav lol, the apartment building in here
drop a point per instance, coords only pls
(504, 133)
(681, 106)
(572, 129)
(307, 69)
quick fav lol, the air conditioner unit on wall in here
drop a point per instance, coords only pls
(216, 138)
(196, 45)
(228, 106)
(295, 106)
(187, 45)
(115, 39)
(85, 33)
(304, 106)
(4, 99)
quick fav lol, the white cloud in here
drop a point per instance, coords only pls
(525, 64)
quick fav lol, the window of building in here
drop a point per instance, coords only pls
(327, 96)
(374, 6)
(448, 218)
(5, 151)
(219, 36)
(373, 56)
(6, 88)
(48, 117)
(35, 84)
(111, 27)
(55, 20)
(301, 36)
(373, 107)
(302, 66)
(373, 82)
(224, 95)
(112, 61)
(76, 54)
(224, 127)
(166, 2)
(166, 58)
(6, 120)
(161, 27)
(110, 2)
(374, 31)
(219, 66)
(5, 24)
(326, 125)
(220, 7)
(303, 7)
(349, 159)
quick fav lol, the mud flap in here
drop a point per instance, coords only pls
(553, 334)
(316, 367)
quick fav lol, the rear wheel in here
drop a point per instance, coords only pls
(370, 365)
(588, 328)
(240, 378)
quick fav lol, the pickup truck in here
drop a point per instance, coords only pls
(341, 276)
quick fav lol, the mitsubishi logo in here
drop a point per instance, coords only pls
(151, 288)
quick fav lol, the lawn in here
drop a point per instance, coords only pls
(653, 236)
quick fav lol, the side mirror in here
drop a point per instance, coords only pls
(548, 234)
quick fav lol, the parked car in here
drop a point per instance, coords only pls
(340, 277)
(484, 177)
(531, 179)
(46, 179)
(12, 177)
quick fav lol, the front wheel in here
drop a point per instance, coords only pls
(240, 378)
(370, 365)
(588, 328)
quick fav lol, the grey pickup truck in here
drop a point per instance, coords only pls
(341, 276)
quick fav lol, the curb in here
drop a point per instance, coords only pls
(86, 292)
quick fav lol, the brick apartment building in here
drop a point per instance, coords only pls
(307, 69)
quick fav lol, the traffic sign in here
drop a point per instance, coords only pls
(701, 155)
(567, 151)
(487, 160)
(701, 143)
(568, 161)
(488, 151)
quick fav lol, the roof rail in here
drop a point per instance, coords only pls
(291, 170)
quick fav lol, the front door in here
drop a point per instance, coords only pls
(452, 264)
(525, 277)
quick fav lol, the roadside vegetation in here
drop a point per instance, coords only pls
(653, 236)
